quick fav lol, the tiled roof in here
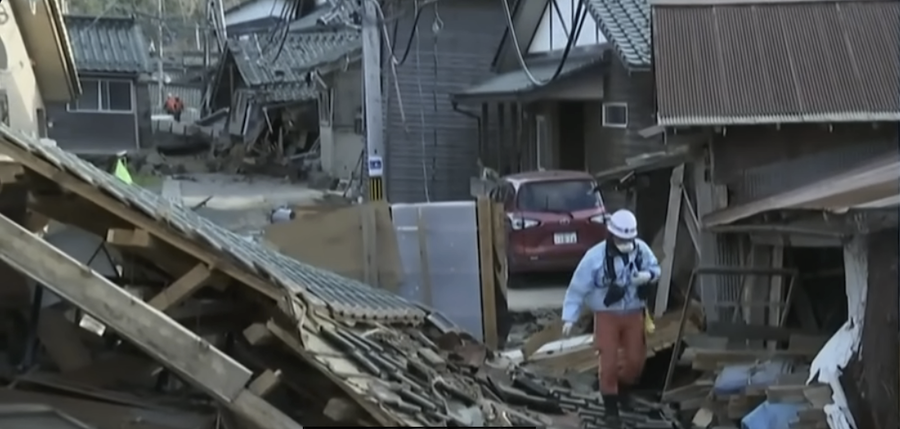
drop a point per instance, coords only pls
(260, 63)
(625, 24)
(108, 44)
(342, 296)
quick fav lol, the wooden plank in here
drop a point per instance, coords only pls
(134, 217)
(670, 237)
(264, 383)
(776, 292)
(251, 407)
(424, 265)
(183, 288)
(500, 237)
(173, 345)
(486, 264)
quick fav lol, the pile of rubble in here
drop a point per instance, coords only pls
(191, 325)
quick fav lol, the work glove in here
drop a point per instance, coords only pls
(567, 329)
(641, 278)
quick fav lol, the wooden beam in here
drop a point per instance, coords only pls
(670, 238)
(485, 222)
(135, 238)
(776, 292)
(257, 334)
(171, 344)
(158, 229)
(265, 383)
(183, 288)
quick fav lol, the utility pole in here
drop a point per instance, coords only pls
(371, 48)
(159, 50)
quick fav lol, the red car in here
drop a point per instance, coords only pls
(553, 218)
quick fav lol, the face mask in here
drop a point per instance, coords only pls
(625, 247)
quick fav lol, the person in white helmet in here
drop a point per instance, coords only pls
(613, 279)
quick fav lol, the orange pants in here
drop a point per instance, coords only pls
(620, 339)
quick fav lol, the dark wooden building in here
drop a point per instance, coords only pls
(801, 168)
(113, 112)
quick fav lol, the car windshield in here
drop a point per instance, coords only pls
(561, 196)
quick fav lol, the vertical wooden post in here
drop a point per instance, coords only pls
(670, 239)
(776, 292)
(484, 217)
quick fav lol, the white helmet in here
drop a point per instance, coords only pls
(622, 224)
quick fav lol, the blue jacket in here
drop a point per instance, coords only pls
(589, 283)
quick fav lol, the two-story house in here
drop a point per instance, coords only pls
(585, 114)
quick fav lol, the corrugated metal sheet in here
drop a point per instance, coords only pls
(832, 61)
(436, 147)
(872, 182)
(108, 44)
(191, 95)
(770, 179)
(342, 296)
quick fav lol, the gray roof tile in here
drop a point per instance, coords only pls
(108, 44)
(258, 64)
(626, 24)
(345, 298)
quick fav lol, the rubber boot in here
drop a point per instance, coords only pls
(611, 405)
(626, 400)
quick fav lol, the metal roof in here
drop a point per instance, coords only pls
(344, 297)
(517, 82)
(260, 63)
(874, 185)
(777, 62)
(108, 44)
(626, 24)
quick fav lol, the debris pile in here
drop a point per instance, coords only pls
(750, 385)
(183, 324)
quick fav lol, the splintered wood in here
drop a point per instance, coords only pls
(736, 381)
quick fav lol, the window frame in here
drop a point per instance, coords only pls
(606, 123)
(101, 84)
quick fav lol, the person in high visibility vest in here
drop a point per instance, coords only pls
(614, 280)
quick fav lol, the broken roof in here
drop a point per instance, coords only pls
(262, 60)
(108, 44)
(724, 63)
(626, 24)
(403, 364)
(873, 185)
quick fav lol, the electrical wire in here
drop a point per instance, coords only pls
(409, 40)
(573, 35)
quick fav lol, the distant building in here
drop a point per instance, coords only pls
(113, 112)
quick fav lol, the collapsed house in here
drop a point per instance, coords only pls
(291, 343)
(797, 191)
(272, 86)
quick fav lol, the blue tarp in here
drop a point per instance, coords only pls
(735, 378)
(771, 416)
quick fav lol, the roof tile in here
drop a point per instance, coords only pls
(626, 24)
(108, 44)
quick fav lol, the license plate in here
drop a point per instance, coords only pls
(565, 238)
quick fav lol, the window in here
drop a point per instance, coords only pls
(615, 115)
(563, 196)
(103, 96)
